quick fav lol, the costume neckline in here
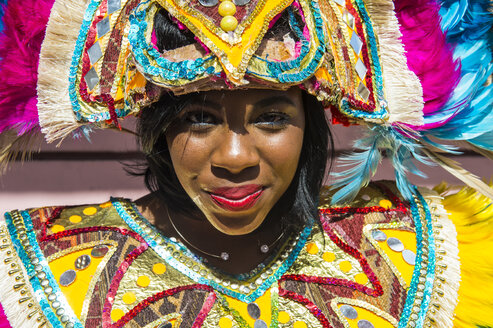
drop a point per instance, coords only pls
(244, 287)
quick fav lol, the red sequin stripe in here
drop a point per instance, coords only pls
(331, 281)
(72, 232)
(307, 303)
(156, 297)
(209, 303)
(364, 51)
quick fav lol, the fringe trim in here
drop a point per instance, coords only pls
(56, 115)
(403, 90)
(14, 146)
(446, 285)
(17, 299)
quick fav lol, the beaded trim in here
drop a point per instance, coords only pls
(171, 251)
(51, 300)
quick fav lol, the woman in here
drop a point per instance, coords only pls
(237, 231)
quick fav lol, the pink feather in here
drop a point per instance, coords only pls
(428, 54)
(20, 44)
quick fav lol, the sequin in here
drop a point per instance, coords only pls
(253, 310)
(349, 312)
(259, 324)
(82, 262)
(75, 218)
(67, 278)
(208, 3)
(395, 244)
(241, 2)
(143, 281)
(159, 268)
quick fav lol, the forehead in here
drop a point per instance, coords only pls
(250, 96)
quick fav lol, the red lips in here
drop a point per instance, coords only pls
(237, 198)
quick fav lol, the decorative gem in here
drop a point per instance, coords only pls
(91, 79)
(259, 324)
(365, 196)
(99, 251)
(409, 257)
(264, 249)
(224, 256)
(229, 23)
(67, 278)
(226, 8)
(89, 211)
(253, 310)
(349, 312)
(241, 2)
(363, 92)
(103, 26)
(365, 324)
(348, 19)
(208, 3)
(379, 235)
(82, 262)
(113, 5)
(361, 70)
(395, 244)
(143, 281)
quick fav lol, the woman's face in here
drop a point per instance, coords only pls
(236, 152)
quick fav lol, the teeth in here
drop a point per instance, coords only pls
(237, 201)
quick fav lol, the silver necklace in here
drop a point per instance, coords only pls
(264, 248)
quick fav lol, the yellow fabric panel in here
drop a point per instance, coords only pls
(472, 215)
(263, 302)
(77, 291)
(409, 240)
(364, 314)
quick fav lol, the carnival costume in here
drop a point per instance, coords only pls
(414, 72)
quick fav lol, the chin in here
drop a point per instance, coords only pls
(236, 224)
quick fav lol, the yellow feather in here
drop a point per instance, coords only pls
(472, 214)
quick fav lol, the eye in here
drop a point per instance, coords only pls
(200, 120)
(272, 120)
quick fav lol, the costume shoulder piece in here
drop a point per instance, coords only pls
(379, 262)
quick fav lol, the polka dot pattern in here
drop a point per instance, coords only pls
(329, 256)
(90, 211)
(129, 298)
(312, 248)
(159, 268)
(143, 281)
(117, 314)
(75, 218)
(299, 324)
(345, 266)
(283, 317)
(225, 322)
(57, 228)
(385, 203)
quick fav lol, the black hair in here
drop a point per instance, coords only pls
(299, 202)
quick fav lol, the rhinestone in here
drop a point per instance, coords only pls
(69, 325)
(264, 248)
(259, 281)
(91, 78)
(264, 276)
(56, 304)
(196, 268)
(234, 286)
(41, 275)
(348, 19)
(363, 91)
(268, 271)
(366, 197)
(226, 283)
(103, 26)
(60, 312)
(224, 256)
(241, 2)
(349, 312)
(409, 257)
(395, 244)
(44, 282)
(99, 251)
(208, 3)
(147, 230)
(360, 69)
(113, 5)
(253, 310)
(48, 290)
(35, 261)
(52, 297)
(64, 319)
(94, 52)
(260, 324)
(244, 289)
(82, 262)
(253, 286)
(68, 277)
(356, 43)
(379, 235)
(365, 324)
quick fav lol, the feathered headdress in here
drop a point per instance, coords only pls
(414, 72)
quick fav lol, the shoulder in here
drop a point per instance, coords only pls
(383, 258)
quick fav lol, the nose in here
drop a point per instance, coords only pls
(235, 153)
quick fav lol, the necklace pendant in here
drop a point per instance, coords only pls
(224, 256)
(264, 248)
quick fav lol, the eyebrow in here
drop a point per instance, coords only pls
(266, 102)
(206, 103)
